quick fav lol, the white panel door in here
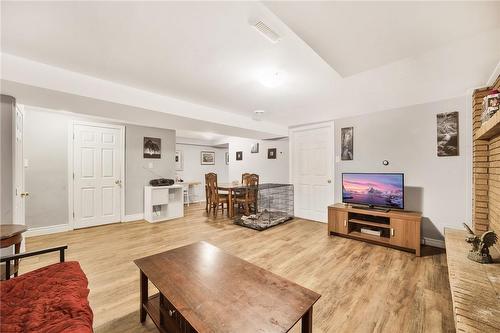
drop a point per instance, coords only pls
(19, 193)
(312, 170)
(97, 166)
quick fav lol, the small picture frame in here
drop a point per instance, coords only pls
(207, 158)
(152, 147)
(271, 154)
(255, 148)
(239, 155)
(179, 160)
(227, 158)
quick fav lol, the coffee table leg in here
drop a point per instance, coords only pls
(307, 321)
(144, 295)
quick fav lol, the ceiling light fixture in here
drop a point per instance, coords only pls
(271, 79)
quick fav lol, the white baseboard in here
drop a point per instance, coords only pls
(133, 217)
(47, 230)
(434, 242)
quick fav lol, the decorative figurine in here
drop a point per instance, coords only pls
(480, 252)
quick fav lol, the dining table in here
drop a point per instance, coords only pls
(231, 189)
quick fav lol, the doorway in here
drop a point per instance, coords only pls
(311, 170)
(97, 171)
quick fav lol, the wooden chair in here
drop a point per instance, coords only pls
(207, 196)
(243, 176)
(216, 199)
(248, 196)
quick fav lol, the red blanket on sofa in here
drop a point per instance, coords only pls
(52, 299)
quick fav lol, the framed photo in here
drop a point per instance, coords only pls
(227, 158)
(179, 160)
(207, 158)
(152, 147)
(271, 154)
(255, 148)
(239, 155)
(347, 143)
(447, 134)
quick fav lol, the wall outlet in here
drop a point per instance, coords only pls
(150, 165)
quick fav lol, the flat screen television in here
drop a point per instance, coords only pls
(374, 189)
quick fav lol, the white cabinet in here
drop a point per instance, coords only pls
(163, 203)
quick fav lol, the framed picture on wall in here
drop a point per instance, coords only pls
(255, 148)
(239, 155)
(347, 143)
(152, 147)
(227, 158)
(207, 158)
(271, 154)
(447, 134)
(179, 160)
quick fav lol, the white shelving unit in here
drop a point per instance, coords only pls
(163, 203)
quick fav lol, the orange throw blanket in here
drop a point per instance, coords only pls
(52, 299)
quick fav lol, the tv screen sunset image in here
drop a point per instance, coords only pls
(385, 190)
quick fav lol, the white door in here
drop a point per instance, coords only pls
(312, 170)
(19, 192)
(98, 159)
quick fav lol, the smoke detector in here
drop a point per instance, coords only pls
(267, 32)
(257, 115)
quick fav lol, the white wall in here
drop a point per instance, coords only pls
(194, 171)
(269, 170)
(46, 148)
(436, 186)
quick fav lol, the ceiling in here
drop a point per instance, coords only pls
(354, 37)
(334, 59)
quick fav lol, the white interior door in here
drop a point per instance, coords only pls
(98, 160)
(19, 191)
(312, 170)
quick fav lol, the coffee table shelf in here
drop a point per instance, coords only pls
(152, 307)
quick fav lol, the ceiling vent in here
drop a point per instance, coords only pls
(267, 32)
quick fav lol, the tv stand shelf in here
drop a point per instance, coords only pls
(373, 224)
(397, 228)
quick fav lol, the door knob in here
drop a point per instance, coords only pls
(329, 181)
(118, 182)
(24, 194)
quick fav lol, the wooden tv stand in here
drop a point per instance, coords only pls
(399, 229)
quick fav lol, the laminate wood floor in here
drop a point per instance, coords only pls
(364, 287)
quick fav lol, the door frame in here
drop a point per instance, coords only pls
(291, 132)
(17, 170)
(71, 167)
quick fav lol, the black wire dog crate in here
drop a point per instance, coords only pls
(274, 205)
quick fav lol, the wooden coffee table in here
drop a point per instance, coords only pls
(203, 289)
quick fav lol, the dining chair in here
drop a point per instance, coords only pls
(216, 199)
(207, 194)
(248, 194)
(243, 176)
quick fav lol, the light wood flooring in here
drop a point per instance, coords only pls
(364, 287)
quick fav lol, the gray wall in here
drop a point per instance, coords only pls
(137, 169)
(406, 137)
(46, 148)
(6, 155)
